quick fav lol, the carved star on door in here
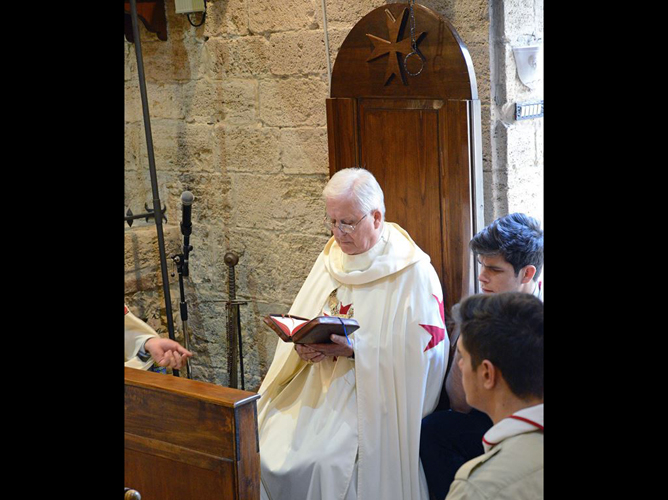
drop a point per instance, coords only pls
(395, 48)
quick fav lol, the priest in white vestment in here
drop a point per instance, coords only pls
(341, 421)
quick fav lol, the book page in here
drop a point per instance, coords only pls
(289, 325)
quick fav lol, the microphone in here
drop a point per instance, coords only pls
(187, 199)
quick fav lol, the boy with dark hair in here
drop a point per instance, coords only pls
(501, 362)
(510, 253)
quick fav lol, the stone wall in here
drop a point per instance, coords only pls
(514, 176)
(238, 118)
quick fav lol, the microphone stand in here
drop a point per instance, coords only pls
(154, 182)
(181, 261)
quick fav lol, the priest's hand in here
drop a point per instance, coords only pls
(338, 347)
(167, 352)
(308, 353)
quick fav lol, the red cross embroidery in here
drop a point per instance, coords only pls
(437, 333)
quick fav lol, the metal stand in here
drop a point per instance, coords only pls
(157, 210)
(181, 264)
(181, 261)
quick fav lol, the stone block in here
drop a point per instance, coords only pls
(500, 142)
(134, 135)
(132, 100)
(167, 61)
(130, 61)
(137, 191)
(293, 102)
(142, 256)
(203, 101)
(521, 144)
(287, 204)
(246, 56)
(304, 151)
(496, 197)
(165, 100)
(525, 191)
(488, 195)
(210, 240)
(297, 52)
(519, 18)
(240, 101)
(345, 12)
(485, 118)
(179, 145)
(247, 149)
(211, 191)
(271, 16)
(226, 17)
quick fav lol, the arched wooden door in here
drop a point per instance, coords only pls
(419, 135)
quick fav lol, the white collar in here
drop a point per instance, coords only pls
(394, 251)
(362, 261)
(526, 420)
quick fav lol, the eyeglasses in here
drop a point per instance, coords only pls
(344, 228)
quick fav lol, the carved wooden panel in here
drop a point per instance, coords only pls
(377, 45)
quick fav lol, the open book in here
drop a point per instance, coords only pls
(310, 331)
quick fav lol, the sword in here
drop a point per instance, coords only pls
(234, 342)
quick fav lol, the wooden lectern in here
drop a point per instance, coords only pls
(186, 439)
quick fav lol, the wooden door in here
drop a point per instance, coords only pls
(419, 136)
(399, 146)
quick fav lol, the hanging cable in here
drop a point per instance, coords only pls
(203, 18)
(329, 64)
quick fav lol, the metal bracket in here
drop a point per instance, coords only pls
(150, 214)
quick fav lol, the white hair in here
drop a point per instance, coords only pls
(361, 185)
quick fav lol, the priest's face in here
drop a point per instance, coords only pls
(367, 225)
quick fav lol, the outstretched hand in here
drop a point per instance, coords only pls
(167, 352)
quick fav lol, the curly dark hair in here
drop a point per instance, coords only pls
(517, 237)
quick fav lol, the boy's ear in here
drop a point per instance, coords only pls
(528, 273)
(489, 374)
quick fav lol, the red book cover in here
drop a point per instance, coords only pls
(314, 331)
